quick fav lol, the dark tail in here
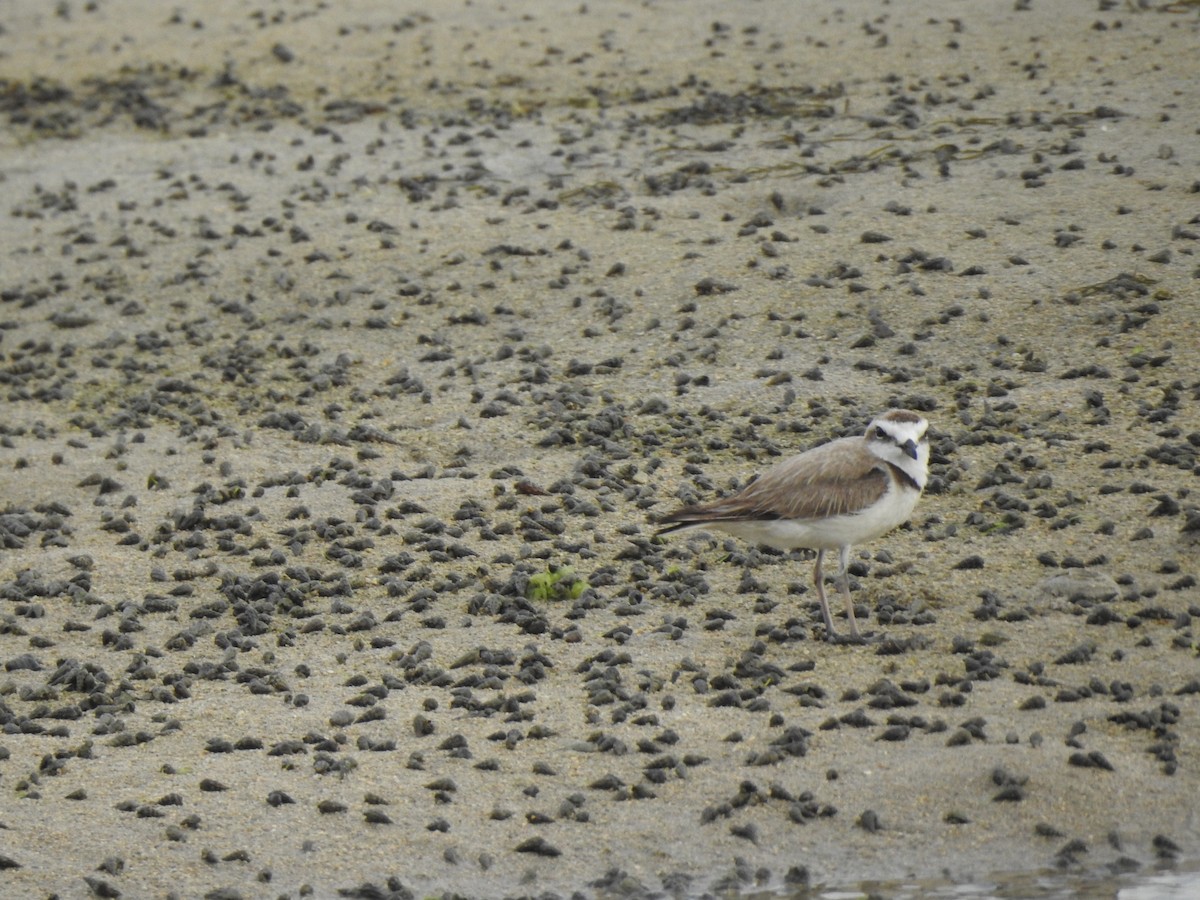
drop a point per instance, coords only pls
(671, 528)
(687, 517)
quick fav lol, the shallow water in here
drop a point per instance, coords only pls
(1046, 885)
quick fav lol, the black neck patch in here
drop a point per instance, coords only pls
(900, 475)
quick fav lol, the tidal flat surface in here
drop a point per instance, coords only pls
(347, 354)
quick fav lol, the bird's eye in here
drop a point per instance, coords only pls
(880, 433)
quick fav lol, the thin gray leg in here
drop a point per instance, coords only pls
(819, 581)
(844, 574)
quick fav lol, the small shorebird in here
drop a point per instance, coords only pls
(829, 498)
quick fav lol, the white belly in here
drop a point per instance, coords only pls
(893, 509)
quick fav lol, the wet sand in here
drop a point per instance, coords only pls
(329, 335)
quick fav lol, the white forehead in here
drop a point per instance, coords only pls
(901, 423)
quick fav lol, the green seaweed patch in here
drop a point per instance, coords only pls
(556, 584)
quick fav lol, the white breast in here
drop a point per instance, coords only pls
(891, 510)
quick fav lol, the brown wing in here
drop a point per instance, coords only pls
(838, 478)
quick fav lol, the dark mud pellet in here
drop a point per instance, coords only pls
(1011, 790)
(101, 888)
(748, 832)
(1093, 760)
(112, 865)
(1164, 847)
(442, 786)
(857, 719)
(869, 821)
(1069, 853)
(797, 876)
(539, 846)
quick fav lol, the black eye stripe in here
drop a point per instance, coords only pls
(879, 433)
